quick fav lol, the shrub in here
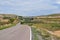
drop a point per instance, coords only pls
(12, 20)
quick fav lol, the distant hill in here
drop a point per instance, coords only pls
(8, 15)
(54, 14)
(49, 16)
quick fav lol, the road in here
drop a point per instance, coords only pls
(18, 32)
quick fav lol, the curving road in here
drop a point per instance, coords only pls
(18, 32)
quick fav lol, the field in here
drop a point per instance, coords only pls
(39, 23)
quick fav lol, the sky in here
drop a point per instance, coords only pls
(29, 7)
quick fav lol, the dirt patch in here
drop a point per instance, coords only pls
(57, 33)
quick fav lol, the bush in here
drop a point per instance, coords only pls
(12, 20)
(22, 22)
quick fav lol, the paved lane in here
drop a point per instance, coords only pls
(18, 32)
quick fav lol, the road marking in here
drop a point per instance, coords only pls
(30, 34)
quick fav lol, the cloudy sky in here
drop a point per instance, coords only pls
(29, 7)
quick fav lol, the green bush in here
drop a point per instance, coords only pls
(12, 20)
(22, 22)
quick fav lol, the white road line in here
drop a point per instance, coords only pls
(30, 34)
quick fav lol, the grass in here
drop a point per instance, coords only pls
(4, 27)
(44, 34)
(34, 32)
(51, 27)
(41, 33)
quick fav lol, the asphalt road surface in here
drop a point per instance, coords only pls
(18, 32)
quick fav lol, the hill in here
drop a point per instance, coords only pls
(50, 22)
(7, 20)
(9, 15)
(57, 14)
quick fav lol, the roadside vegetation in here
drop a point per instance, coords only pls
(49, 22)
(7, 21)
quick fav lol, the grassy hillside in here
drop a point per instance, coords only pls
(57, 14)
(8, 20)
(39, 23)
(50, 22)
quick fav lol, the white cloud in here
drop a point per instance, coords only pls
(58, 1)
(28, 5)
(21, 6)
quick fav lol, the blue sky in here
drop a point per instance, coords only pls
(29, 7)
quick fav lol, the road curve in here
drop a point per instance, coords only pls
(18, 32)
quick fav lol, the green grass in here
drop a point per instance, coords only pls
(41, 33)
(49, 26)
(34, 32)
(4, 27)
